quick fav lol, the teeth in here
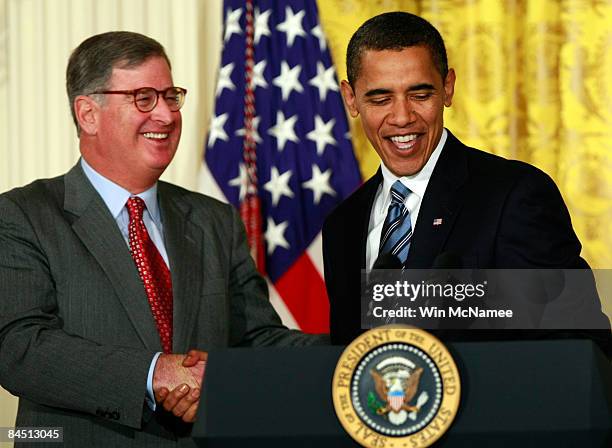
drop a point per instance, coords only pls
(156, 135)
(403, 138)
(404, 141)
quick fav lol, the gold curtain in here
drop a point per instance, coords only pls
(533, 83)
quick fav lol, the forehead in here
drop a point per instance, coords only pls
(410, 64)
(152, 72)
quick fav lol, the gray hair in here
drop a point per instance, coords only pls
(91, 64)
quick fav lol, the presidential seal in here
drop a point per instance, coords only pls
(396, 387)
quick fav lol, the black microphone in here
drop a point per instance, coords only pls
(384, 262)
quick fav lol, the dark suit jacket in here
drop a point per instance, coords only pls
(76, 332)
(495, 213)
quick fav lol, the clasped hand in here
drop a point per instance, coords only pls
(177, 382)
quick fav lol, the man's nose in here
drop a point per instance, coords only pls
(162, 113)
(402, 113)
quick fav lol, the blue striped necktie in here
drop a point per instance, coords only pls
(397, 230)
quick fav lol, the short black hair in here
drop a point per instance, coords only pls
(394, 31)
(91, 64)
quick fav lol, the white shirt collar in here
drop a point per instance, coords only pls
(417, 183)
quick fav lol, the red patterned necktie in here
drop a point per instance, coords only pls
(153, 271)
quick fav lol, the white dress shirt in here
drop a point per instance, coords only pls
(417, 183)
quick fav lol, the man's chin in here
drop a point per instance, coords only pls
(159, 159)
(406, 167)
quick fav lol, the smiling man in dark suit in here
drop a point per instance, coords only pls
(108, 277)
(433, 197)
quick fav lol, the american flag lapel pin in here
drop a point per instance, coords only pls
(437, 222)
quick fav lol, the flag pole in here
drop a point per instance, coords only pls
(250, 207)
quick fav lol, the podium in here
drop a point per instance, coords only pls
(528, 394)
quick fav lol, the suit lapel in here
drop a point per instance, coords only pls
(99, 232)
(363, 212)
(184, 244)
(440, 205)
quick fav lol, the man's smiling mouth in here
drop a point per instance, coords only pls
(404, 141)
(156, 135)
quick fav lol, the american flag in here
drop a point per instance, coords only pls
(279, 147)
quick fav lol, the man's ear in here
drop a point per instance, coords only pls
(349, 98)
(449, 87)
(86, 111)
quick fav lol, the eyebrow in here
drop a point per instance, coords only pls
(414, 88)
(422, 86)
(375, 92)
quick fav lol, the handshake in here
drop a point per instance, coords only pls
(177, 381)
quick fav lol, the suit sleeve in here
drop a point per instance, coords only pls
(536, 232)
(536, 229)
(331, 259)
(41, 362)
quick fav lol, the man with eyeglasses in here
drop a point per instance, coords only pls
(113, 283)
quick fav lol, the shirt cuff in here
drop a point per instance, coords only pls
(150, 398)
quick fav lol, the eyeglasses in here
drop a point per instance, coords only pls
(145, 98)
